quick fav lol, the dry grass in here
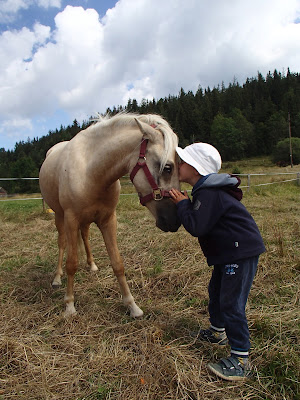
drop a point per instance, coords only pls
(104, 354)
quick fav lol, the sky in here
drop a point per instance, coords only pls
(63, 60)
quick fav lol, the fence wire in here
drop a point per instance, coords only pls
(297, 179)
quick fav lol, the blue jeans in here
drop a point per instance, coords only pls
(228, 290)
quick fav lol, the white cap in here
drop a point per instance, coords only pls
(204, 157)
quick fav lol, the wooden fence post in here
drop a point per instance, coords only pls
(248, 181)
(298, 178)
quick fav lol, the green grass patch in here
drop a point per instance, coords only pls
(20, 210)
(282, 372)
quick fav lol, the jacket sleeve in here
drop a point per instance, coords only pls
(200, 216)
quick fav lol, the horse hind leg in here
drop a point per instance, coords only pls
(72, 231)
(109, 233)
(59, 222)
(89, 255)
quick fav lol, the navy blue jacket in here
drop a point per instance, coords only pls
(225, 229)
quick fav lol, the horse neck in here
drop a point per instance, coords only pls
(118, 156)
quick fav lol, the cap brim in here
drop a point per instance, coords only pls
(189, 160)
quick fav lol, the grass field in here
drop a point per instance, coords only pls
(104, 354)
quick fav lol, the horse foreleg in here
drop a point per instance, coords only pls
(109, 232)
(89, 255)
(71, 228)
(59, 222)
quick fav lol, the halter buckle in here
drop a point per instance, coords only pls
(157, 195)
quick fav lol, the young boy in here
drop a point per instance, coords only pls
(231, 242)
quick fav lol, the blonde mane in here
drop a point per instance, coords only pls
(160, 124)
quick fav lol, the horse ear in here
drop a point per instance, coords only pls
(148, 131)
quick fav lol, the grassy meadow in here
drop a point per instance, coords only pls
(102, 353)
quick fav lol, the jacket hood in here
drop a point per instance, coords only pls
(226, 182)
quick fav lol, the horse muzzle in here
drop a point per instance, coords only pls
(166, 216)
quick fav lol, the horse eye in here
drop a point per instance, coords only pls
(168, 169)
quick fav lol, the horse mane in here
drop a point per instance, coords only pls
(128, 118)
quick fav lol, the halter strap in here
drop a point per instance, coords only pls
(157, 193)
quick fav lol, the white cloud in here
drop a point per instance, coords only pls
(15, 129)
(10, 8)
(13, 6)
(49, 3)
(18, 83)
(144, 49)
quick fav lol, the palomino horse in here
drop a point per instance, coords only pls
(79, 180)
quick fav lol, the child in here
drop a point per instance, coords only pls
(230, 240)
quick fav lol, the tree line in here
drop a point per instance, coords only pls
(240, 120)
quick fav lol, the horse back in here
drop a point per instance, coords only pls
(65, 182)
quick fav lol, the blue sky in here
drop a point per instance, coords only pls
(27, 16)
(61, 60)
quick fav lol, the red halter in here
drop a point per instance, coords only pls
(157, 193)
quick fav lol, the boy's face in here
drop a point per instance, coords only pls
(187, 173)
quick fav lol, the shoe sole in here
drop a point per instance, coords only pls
(227, 378)
(221, 343)
(198, 339)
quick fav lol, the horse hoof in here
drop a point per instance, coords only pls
(56, 286)
(93, 267)
(136, 313)
(70, 311)
(68, 315)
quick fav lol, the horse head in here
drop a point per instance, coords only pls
(156, 172)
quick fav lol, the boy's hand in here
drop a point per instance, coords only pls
(177, 196)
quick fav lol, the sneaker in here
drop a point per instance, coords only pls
(212, 336)
(231, 369)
